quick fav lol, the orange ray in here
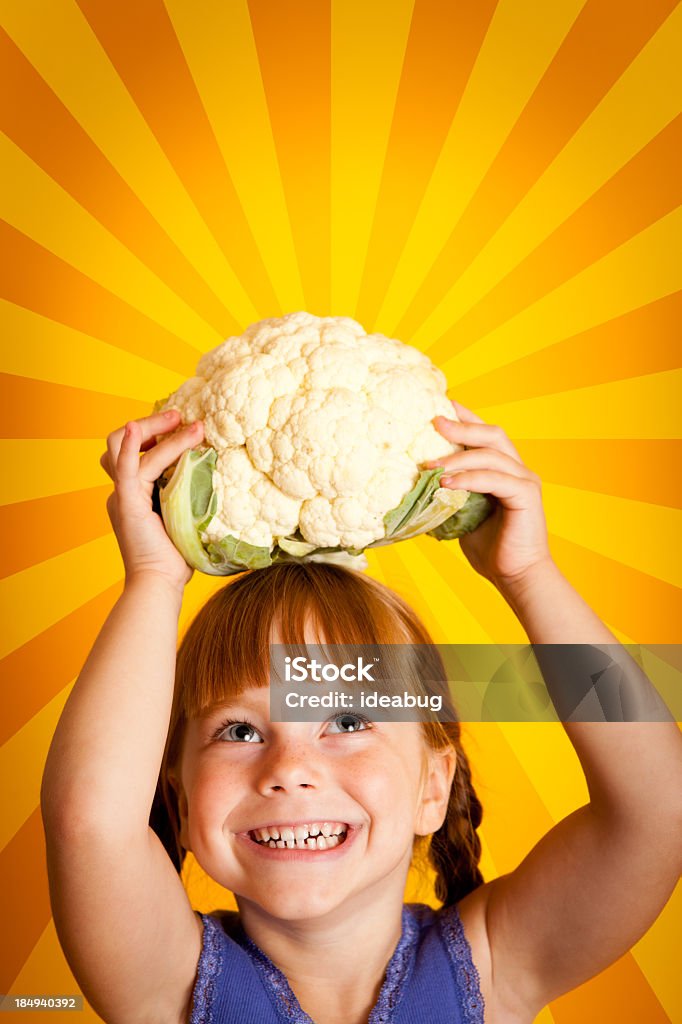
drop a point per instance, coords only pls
(47, 132)
(36, 279)
(26, 899)
(592, 57)
(439, 56)
(642, 341)
(642, 192)
(34, 673)
(645, 608)
(620, 993)
(297, 82)
(58, 410)
(637, 469)
(33, 531)
(139, 39)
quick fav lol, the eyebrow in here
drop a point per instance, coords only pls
(230, 702)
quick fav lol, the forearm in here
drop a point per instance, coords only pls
(104, 759)
(632, 766)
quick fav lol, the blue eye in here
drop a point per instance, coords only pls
(240, 730)
(352, 722)
(235, 729)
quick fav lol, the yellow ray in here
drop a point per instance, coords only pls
(618, 128)
(47, 350)
(22, 759)
(636, 533)
(505, 74)
(375, 566)
(544, 1017)
(657, 952)
(646, 407)
(505, 791)
(488, 618)
(443, 609)
(98, 99)
(643, 269)
(362, 37)
(217, 41)
(487, 861)
(545, 752)
(33, 600)
(39, 208)
(37, 469)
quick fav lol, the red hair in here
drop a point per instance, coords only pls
(226, 650)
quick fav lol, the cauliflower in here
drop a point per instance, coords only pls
(314, 434)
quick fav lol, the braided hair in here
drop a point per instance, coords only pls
(455, 849)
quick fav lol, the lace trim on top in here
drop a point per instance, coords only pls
(397, 973)
(467, 977)
(210, 963)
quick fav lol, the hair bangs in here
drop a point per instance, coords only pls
(226, 649)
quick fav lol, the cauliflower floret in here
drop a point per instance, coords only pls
(250, 507)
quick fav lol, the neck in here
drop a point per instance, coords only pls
(336, 963)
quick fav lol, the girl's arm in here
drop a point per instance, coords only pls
(122, 915)
(597, 881)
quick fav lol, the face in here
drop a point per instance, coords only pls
(378, 780)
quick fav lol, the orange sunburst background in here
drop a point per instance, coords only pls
(495, 183)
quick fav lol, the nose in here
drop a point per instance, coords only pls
(289, 767)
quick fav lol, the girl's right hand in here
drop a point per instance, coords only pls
(145, 546)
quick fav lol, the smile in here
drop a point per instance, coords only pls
(322, 841)
(318, 835)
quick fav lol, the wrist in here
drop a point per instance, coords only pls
(514, 587)
(149, 579)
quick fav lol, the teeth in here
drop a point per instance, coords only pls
(310, 843)
(320, 836)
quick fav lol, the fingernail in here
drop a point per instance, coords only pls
(170, 413)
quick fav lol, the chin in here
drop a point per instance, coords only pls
(303, 905)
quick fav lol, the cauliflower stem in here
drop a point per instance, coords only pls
(189, 502)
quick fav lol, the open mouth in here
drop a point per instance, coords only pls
(321, 835)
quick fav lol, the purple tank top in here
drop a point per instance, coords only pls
(430, 979)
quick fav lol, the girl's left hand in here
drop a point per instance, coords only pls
(513, 539)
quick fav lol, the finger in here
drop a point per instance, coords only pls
(480, 458)
(128, 461)
(476, 435)
(167, 451)
(157, 423)
(105, 463)
(513, 492)
(464, 414)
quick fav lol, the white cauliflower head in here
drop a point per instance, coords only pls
(314, 433)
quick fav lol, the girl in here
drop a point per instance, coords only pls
(322, 933)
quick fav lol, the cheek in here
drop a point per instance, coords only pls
(211, 796)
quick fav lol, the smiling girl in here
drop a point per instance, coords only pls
(314, 825)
